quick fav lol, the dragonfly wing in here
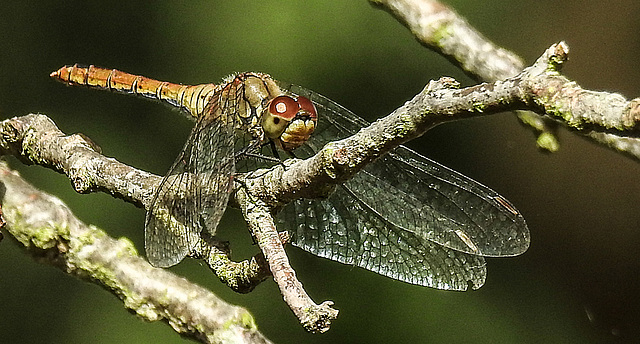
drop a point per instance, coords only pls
(343, 228)
(441, 205)
(193, 196)
(420, 196)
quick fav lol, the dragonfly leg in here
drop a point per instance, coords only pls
(253, 151)
(274, 150)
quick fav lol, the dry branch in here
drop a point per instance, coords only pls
(50, 232)
(440, 28)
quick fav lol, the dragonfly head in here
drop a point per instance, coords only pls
(290, 121)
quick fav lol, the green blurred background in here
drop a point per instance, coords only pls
(578, 283)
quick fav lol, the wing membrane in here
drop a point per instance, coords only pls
(343, 229)
(441, 205)
(193, 196)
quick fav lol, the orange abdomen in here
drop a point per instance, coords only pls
(192, 99)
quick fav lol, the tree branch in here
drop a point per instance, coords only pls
(53, 235)
(440, 28)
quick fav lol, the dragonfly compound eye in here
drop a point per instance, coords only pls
(284, 107)
(282, 110)
(307, 106)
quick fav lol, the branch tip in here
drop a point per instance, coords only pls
(318, 317)
(632, 113)
(443, 83)
(557, 55)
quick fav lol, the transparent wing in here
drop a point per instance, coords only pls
(193, 196)
(344, 229)
(415, 196)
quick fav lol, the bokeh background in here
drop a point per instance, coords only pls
(578, 283)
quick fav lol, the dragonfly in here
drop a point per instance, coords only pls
(403, 216)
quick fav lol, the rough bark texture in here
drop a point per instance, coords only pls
(53, 235)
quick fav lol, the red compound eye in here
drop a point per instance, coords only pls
(307, 105)
(284, 107)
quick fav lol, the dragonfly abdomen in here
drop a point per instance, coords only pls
(192, 99)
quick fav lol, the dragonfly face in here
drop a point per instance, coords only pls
(290, 121)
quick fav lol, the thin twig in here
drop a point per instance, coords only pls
(35, 139)
(438, 27)
(241, 277)
(313, 317)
